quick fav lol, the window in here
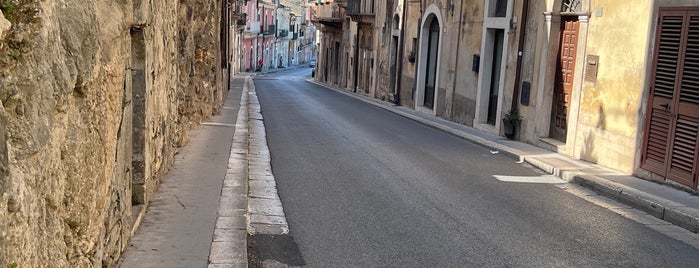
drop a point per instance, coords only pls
(498, 8)
(571, 6)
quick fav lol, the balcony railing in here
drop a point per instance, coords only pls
(270, 30)
(361, 11)
(330, 14)
(283, 33)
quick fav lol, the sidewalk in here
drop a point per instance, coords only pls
(675, 206)
(197, 216)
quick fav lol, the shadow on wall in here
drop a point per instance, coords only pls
(588, 151)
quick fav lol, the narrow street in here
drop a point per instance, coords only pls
(362, 187)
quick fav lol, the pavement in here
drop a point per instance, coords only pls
(661, 201)
(197, 217)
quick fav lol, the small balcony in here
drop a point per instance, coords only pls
(270, 30)
(361, 11)
(283, 33)
(295, 36)
(330, 14)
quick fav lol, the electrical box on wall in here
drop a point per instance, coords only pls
(476, 62)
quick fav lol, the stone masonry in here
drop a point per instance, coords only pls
(95, 98)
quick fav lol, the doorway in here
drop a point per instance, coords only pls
(431, 66)
(394, 57)
(565, 75)
(494, 90)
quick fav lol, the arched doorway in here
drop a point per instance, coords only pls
(428, 61)
(431, 64)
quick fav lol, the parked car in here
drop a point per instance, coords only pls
(313, 63)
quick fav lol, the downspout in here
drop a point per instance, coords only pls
(401, 52)
(456, 67)
(520, 53)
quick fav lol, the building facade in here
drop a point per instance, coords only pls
(597, 80)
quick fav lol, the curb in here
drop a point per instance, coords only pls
(229, 242)
(672, 212)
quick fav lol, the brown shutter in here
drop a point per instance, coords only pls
(658, 126)
(683, 160)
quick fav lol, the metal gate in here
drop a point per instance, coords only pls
(672, 122)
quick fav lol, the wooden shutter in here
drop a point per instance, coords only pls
(658, 126)
(683, 163)
(671, 147)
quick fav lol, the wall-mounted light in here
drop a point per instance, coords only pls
(450, 6)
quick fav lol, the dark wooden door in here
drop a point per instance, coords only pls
(672, 122)
(431, 66)
(565, 75)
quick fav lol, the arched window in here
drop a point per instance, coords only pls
(571, 6)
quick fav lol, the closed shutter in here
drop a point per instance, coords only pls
(683, 163)
(672, 127)
(658, 125)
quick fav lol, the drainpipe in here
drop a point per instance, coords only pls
(520, 53)
(456, 68)
(401, 52)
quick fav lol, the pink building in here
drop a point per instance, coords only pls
(259, 37)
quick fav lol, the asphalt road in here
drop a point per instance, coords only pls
(362, 187)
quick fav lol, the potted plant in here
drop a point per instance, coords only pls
(411, 57)
(511, 123)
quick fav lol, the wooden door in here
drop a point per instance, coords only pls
(672, 123)
(565, 75)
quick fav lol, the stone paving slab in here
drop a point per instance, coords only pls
(266, 214)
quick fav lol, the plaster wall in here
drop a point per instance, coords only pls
(610, 107)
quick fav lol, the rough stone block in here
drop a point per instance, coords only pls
(270, 207)
(227, 253)
(232, 222)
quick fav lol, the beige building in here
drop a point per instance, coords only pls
(598, 80)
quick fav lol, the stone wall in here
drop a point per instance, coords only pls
(91, 93)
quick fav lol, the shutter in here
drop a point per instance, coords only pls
(683, 163)
(664, 80)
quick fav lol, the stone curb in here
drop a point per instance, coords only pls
(672, 212)
(229, 243)
(265, 210)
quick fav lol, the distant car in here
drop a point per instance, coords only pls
(313, 63)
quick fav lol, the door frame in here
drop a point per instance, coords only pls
(557, 80)
(431, 13)
(547, 74)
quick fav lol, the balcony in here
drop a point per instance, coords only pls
(361, 11)
(270, 30)
(283, 33)
(330, 14)
(295, 36)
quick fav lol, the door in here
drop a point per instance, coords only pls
(494, 90)
(672, 122)
(394, 57)
(431, 71)
(565, 71)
